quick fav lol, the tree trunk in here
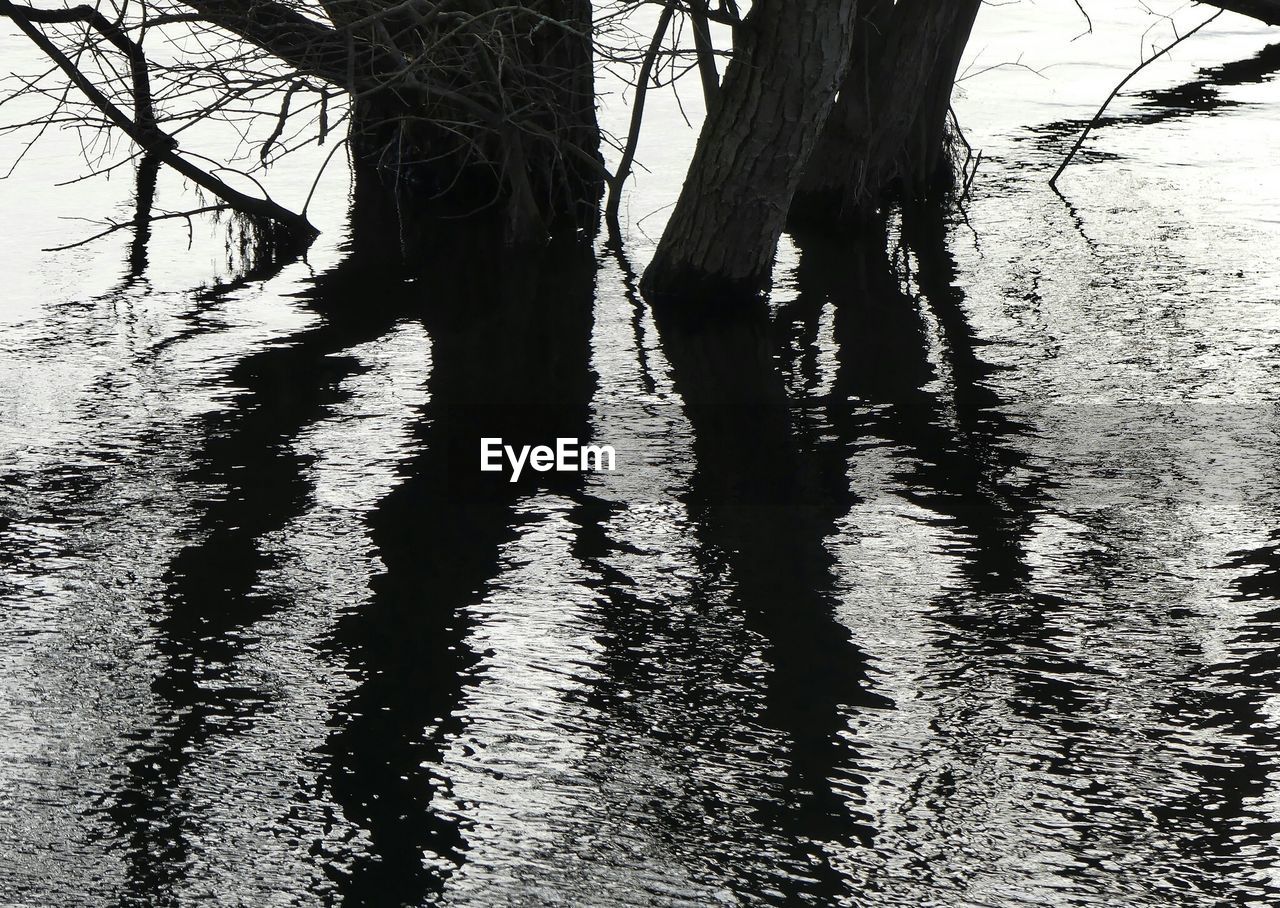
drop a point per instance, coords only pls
(888, 132)
(935, 47)
(775, 97)
(840, 159)
(508, 133)
(1267, 11)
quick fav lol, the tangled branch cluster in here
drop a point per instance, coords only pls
(482, 85)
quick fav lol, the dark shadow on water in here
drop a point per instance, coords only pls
(775, 429)
(509, 359)
(510, 350)
(1228, 826)
(920, 386)
(963, 460)
(773, 448)
(761, 517)
(753, 683)
(139, 253)
(1202, 95)
(256, 483)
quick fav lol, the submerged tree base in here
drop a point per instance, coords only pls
(777, 92)
(887, 138)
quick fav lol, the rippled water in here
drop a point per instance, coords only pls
(949, 577)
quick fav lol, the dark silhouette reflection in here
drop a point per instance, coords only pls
(1227, 824)
(1196, 96)
(259, 263)
(147, 177)
(970, 476)
(509, 360)
(734, 688)
(204, 626)
(964, 465)
(761, 518)
(995, 495)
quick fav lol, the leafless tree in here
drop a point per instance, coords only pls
(485, 110)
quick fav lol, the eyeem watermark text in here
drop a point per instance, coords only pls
(566, 457)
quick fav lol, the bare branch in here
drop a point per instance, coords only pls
(637, 117)
(114, 226)
(142, 128)
(1053, 181)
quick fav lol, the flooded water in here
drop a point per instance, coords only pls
(948, 577)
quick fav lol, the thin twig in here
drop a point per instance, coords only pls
(137, 222)
(637, 118)
(1053, 181)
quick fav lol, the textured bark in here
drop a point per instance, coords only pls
(887, 134)
(935, 53)
(776, 94)
(840, 159)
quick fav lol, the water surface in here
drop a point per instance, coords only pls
(945, 577)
